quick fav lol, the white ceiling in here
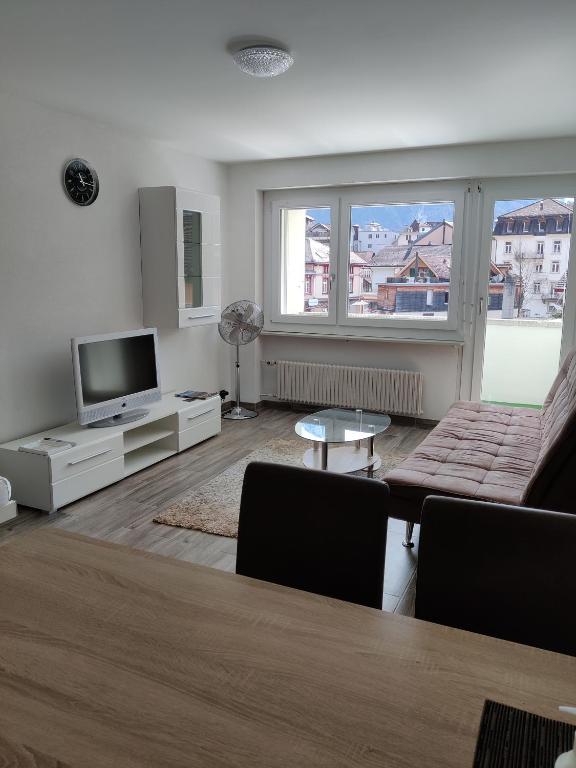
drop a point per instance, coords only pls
(368, 74)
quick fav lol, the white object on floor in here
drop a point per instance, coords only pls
(5, 491)
(567, 759)
(8, 509)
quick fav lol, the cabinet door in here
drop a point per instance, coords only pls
(198, 242)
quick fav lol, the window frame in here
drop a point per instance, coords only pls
(402, 194)
(336, 324)
(274, 279)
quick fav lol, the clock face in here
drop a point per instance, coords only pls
(80, 182)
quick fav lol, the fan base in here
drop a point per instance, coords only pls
(240, 413)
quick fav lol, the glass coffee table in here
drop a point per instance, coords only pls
(345, 429)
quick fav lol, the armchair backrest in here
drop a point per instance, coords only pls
(551, 484)
(500, 570)
(313, 530)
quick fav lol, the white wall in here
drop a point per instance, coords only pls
(67, 271)
(441, 365)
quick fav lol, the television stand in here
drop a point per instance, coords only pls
(105, 456)
(121, 418)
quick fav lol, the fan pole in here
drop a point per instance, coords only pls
(238, 412)
(237, 377)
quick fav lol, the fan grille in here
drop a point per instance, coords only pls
(241, 322)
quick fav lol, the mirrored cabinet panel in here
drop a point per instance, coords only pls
(180, 235)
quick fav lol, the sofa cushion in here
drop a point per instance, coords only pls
(478, 450)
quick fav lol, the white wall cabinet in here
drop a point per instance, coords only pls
(180, 241)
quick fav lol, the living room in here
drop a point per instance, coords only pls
(162, 104)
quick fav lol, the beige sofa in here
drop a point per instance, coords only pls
(510, 455)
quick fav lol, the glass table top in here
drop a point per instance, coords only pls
(340, 425)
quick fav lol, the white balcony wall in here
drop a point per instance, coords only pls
(520, 360)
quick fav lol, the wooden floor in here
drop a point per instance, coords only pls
(123, 512)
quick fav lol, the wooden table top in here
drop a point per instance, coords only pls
(116, 657)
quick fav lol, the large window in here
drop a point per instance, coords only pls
(365, 260)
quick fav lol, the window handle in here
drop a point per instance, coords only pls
(331, 280)
(481, 305)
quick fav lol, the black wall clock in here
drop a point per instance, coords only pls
(80, 181)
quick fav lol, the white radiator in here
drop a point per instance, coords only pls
(347, 386)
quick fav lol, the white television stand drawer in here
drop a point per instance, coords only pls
(85, 457)
(105, 456)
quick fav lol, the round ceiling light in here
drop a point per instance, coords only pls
(263, 60)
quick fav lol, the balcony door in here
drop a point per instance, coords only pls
(525, 309)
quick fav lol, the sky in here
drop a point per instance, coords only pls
(396, 217)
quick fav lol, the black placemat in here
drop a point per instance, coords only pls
(513, 738)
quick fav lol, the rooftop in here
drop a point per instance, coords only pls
(546, 207)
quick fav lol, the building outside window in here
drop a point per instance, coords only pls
(525, 226)
(541, 254)
(509, 226)
(351, 284)
(324, 285)
(536, 287)
(308, 284)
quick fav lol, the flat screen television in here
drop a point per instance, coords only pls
(115, 374)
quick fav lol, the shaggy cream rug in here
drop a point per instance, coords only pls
(214, 506)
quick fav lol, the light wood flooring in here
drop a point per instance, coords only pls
(123, 512)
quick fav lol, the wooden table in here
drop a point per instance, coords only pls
(115, 657)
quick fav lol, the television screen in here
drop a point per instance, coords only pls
(116, 368)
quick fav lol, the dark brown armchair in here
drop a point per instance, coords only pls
(500, 570)
(313, 530)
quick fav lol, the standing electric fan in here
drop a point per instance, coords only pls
(241, 323)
